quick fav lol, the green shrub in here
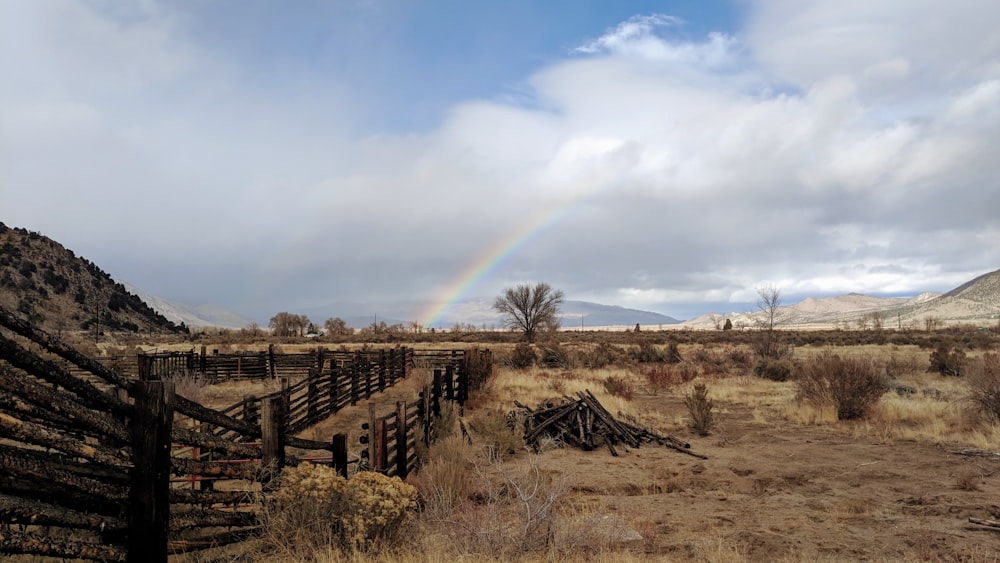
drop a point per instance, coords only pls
(852, 385)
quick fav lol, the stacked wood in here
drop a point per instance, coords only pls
(585, 423)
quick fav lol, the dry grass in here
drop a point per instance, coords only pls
(468, 500)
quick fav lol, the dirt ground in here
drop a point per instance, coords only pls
(791, 493)
(769, 491)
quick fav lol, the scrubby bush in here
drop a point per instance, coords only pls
(314, 507)
(984, 385)
(513, 510)
(603, 355)
(555, 356)
(852, 385)
(619, 387)
(775, 370)
(661, 376)
(700, 408)
(647, 353)
(523, 356)
(495, 432)
(947, 360)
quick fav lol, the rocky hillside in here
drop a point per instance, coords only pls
(49, 285)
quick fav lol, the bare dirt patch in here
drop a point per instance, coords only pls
(790, 492)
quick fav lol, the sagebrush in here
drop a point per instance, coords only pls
(851, 384)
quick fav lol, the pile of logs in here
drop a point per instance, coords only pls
(585, 423)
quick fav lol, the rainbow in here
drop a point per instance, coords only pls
(490, 261)
(585, 188)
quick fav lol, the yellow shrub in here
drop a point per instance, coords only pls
(315, 505)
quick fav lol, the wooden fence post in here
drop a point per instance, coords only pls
(371, 434)
(368, 377)
(250, 413)
(436, 395)
(355, 375)
(425, 413)
(272, 436)
(381, 371)
(404, 362)
(145, 367)
(149, 502)
(320, 360)
(312, 399)
(449, 382)
(390, 366)
(401, 433)
(381, 453)
(270, 359)
(339, 449)
(334, 384)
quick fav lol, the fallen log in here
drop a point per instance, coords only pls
(989, 523)
(977, 453)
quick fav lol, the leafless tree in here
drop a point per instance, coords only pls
(530, 309)
(288, 324)
(337, 326)
(768, 314)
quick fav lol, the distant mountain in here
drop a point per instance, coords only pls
(976, 301)
(576, 314)
(197, 316)
(56, 290)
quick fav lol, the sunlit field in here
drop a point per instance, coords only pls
(784, 478)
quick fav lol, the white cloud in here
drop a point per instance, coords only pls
(816, 149)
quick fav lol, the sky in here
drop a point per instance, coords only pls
(672, 156)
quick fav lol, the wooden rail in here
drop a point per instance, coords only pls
(391, 440)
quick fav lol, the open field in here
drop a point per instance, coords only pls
(784, 479)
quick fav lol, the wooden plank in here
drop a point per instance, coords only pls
(272, 428)
(339, 461)
(149, 503)
(401, 431)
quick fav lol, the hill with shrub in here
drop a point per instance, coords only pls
(58, 291)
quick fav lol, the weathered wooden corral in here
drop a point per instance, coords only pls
(88, 457)
(98, 465)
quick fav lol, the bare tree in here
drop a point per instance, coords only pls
(289, 324)
(768, 315)
(337, 326)
(530, 309)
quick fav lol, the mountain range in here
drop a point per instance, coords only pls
(49, 284)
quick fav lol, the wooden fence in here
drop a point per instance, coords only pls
(86, 469)
(391, 440)
(335, 380)
(95, 465)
